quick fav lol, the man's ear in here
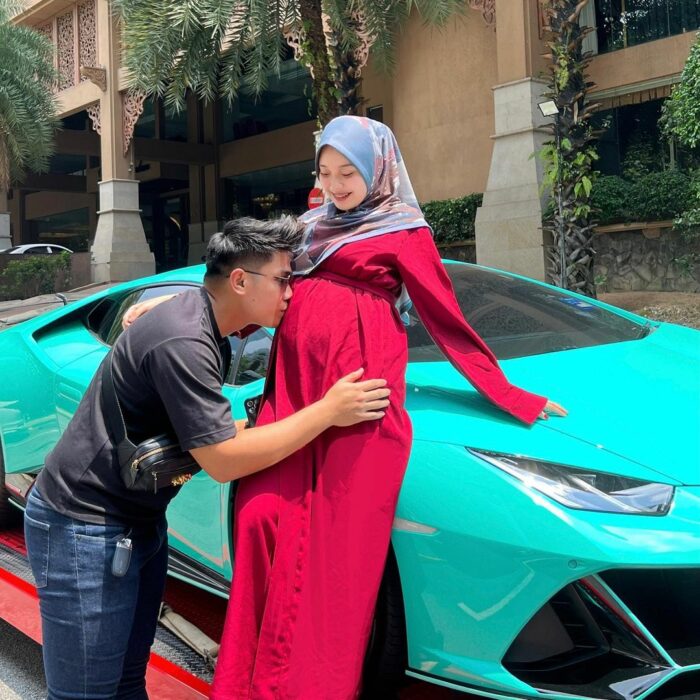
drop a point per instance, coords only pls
(236, 281)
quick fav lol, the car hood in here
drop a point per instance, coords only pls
(634, 407)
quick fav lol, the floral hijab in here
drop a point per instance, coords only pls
(390, 204)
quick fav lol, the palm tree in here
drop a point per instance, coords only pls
(217, 47)
(28, 111)
(569, 159)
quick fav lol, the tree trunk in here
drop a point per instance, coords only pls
(349, 68)
(4, 164)
(570, 168)
(316, 56)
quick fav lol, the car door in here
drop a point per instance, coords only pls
(195, 516)
(205, 535)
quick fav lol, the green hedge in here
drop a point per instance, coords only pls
(33, 275)
(652, 197)
(452, 219)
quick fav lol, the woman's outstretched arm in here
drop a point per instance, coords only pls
(432, 294)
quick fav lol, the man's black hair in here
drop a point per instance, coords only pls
(247, 241)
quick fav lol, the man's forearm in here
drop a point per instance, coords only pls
(254, 449)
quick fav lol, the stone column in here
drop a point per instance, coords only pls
(5, 238)
(509, 222)
(120, 250)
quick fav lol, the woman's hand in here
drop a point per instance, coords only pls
(554, 409)
(137, 310)
(350, 401)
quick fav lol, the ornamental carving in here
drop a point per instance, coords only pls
(294, 37)
(87, 32)
(360, 53)
(487, 9)
(94, 114)
(96, 75)
(66, 50)
(133, 109)
(46, 30)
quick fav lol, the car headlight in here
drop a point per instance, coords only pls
(582, 488)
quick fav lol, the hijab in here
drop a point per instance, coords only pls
(390, 204)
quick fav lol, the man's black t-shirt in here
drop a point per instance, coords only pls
(168, 369)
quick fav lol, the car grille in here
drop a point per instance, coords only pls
(585, 641)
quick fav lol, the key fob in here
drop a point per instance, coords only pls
(251, 406)
(122, 557)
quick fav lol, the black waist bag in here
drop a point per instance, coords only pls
(153, 464)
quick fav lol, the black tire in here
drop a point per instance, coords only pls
(387, 657)
(8, 513)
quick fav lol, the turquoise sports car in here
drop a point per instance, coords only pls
(557, 561)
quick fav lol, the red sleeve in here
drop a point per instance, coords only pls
(433, 296)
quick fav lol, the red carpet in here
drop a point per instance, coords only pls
(14, 539)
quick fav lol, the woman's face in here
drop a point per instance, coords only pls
(340, 179)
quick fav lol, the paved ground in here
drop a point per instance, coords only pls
(22, 677)
(21, 672)
(673, 307)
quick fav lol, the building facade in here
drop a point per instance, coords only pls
(142, 189)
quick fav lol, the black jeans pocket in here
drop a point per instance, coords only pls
(36, 534)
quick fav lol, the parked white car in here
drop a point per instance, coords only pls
(35, 249)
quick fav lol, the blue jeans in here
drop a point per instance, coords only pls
(97, 628)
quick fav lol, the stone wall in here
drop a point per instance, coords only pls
(464, 251)
(650, 259)
(627, 259)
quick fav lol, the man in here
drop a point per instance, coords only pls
(98, 627)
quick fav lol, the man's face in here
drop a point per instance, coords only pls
(268, 290)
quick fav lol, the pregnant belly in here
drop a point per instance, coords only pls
(331, 329)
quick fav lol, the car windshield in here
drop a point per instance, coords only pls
(518, 318)
(10, 250)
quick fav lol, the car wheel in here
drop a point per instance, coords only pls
(386, 660)
(8, 513)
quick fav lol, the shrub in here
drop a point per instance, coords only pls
(659, 196)
(452, 219)
(609, 198)
(651, 197)
(32, 275)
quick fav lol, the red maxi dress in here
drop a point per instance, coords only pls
(312, 532)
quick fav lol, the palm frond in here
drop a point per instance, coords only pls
(216, 48)
(27, 104)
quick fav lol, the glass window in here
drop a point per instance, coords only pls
(236, 344)
(254, 359)
(38, 250)
(632, 144)
(623, 23)
(268, 193)
(65, 164)
(76, 122)
(518, 318)
(146, 125)
(175, 128)
(110, 328)
(286, 101)
(69, 228)
(376, 113)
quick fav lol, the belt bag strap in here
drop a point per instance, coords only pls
(113, 413)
